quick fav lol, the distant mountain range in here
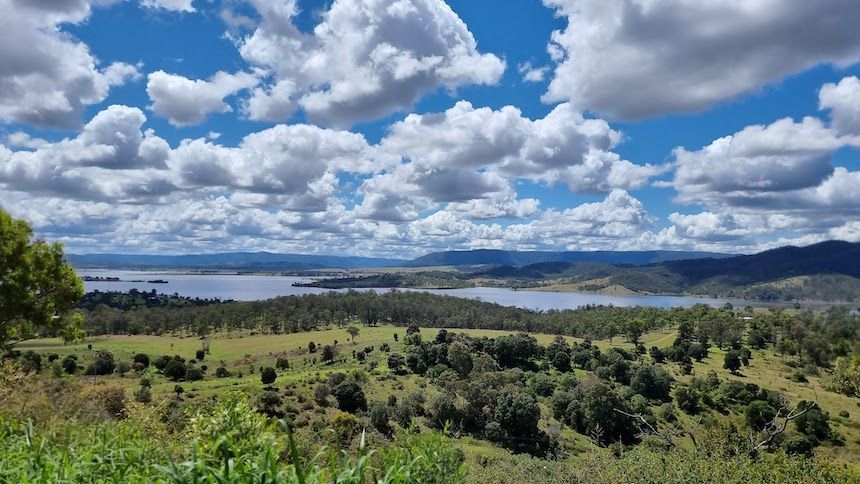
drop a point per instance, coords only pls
(265, 261)
(834, 257)
(825, 271)
(248, 261)
(524, 258)
(828, 271)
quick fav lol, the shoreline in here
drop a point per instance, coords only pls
(736, 301)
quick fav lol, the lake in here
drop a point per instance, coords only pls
(254, 287)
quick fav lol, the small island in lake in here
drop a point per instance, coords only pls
(100, 279)
(117, 279)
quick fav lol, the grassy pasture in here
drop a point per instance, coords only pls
(242, 351)
(234, 347)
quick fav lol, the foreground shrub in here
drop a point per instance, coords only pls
(104, 364)
(110, 398)
(229, 443)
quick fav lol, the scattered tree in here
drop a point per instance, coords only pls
(758, 414)
(350, 397)
(652, 382)
(104, 364)
(122, 368)
(70, 364)
(321, 394)
(192, 373)
(687, 400)
(396, 363)
(353, 332)
(141, 359)
(269, 403)
(175, 369)
(460, 358)
(143, 395)
(517, 413)
(732, 361)
(778, 424)
(268, 375)
(542, 384)
(328, 354)
(379, 416)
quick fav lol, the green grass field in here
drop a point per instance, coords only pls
(244, 353)
(234, 347)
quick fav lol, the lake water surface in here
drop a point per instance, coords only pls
(254, 287)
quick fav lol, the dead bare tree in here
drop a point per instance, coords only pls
(645, 428)
(597, 436)
(668, 435)
(780, 421)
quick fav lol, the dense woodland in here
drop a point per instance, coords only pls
(820, 336)
(143, 313)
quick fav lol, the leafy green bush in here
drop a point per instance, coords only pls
(229, 443)
(104, 364)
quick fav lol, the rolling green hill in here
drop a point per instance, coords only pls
(826, 271)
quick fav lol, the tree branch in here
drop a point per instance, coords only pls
(780, 421)
(645, 428)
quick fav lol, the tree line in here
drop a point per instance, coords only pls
(123, 313)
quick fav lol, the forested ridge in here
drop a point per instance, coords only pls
(147, 313)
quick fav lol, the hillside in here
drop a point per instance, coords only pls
(824, 271)
(544, 270)
(832, 257)
(454, 391)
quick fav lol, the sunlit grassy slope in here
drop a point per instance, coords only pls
(245, 353)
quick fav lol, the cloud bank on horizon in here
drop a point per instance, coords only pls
(397, 127)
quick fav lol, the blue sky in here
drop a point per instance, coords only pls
(399, 127)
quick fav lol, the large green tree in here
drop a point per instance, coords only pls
(517, 413)
(37, 286)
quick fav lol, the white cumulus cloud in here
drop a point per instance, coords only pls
(631, 59)
(186, 101)
(171, 5)
(47, 77)
(365, 59)
(843, 101)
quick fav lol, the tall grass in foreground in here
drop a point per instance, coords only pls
(230, 444)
